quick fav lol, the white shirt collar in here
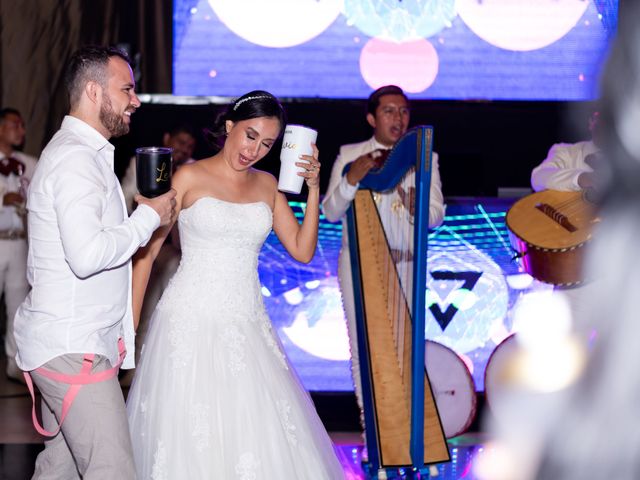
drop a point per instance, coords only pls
(377, 145)
(92, 136)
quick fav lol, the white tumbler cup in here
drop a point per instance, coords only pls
(296, 141)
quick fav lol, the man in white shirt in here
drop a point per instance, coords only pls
(388, 114)
(569, 167)
(16, 169)
(80, 245)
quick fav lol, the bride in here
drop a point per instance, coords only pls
(214, 395)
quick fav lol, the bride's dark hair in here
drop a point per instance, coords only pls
(255, 104)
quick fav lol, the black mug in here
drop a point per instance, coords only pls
(153, 170)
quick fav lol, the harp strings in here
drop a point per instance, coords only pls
(395, 241)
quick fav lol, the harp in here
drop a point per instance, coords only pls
(387, 225)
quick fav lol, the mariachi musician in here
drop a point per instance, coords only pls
(572, 167)
(388, 114)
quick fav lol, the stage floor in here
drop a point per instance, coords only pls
(20, 444)
(17, 459)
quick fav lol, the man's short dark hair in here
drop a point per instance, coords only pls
(5, 112)
(89, 63)
(374, 98)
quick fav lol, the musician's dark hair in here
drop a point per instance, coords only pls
(5, 112)
(89, 63)
(255, 104)
(374, 99)
(181, 128)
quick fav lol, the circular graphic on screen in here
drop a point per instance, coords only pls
(318, 326)
(466, 296)
(277, 23)
(413, 66)
(521, 25)
(400, 21)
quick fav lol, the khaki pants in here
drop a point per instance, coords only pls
(94, 442)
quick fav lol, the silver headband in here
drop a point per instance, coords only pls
(257, 97)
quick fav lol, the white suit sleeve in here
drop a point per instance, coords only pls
(558, 171)
(436, 200)
(90, 243)
(340, 193)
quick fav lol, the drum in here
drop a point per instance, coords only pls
(453, 388)
(499, 359)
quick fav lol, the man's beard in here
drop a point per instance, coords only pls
(113, 122)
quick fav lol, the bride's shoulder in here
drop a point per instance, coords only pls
(266, 187)
(189, 172)
(266, 179)
(184, 170)
(188, 177)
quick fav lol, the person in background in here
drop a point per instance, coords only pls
(595, 434)
(588, 429)
(571, 167)
(16, 170)
(388, 114)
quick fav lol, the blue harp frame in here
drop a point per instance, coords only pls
(414, 149)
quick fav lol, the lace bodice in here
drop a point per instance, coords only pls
(216, 225)
(223, 238)
(219, 267)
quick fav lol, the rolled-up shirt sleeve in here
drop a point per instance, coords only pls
(95, 237)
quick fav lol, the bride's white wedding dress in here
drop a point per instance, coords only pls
(214, 396)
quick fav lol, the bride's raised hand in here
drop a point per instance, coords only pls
(311, 166)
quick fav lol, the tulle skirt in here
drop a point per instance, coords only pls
(214, 397)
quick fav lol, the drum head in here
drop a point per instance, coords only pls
(499, 359)
(452, 386)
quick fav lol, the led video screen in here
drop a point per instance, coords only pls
(433, 49)
(474, 286)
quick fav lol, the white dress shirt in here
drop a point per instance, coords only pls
(562, 167)
(80, 247)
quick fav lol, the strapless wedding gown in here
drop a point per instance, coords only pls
(214, 396)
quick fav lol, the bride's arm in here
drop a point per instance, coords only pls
(145, 256)
(142, 264)
(300, 240)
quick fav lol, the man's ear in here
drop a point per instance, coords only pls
(165, 139)
(93, 90)
(371, 120)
